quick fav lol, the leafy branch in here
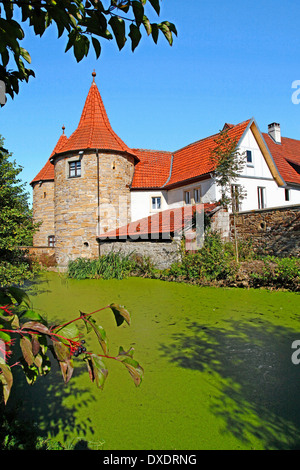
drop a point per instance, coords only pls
(19, 324)
(84, 22)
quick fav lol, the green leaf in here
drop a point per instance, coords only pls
(134, 369)
(120, 314)
(4, 336)
(19, 295)
(155, 4)
(97, 370)
(101, 335)
(25, 55)
(26, 348)
(147, 25)
(155, 32)
(35, 345)
(118, 27)
(6, 378)
(97, 47)
(135, 36)
(122, 352)
(62, 351)
(36, 326)
(81, 47)
(32, 315)
(166, 31)
(138, 11)
(67, 369)
(69, 331)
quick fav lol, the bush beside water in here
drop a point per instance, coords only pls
(214, 264)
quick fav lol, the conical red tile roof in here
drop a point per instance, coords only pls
(94, 130)
(47, 172)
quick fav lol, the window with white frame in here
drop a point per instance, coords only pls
(156, 202)
(187, 197)
(261, 194)
(197, 195)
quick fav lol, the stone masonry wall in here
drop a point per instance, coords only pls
(76, 202)
(43, 211)
(272, 231)
(161, 253)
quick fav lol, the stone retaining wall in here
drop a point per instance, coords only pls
(274, 231)
(161, 253)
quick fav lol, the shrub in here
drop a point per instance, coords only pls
(113, 265)
(278, 272)
(214, 261)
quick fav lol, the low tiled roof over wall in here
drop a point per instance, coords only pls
(166, 222)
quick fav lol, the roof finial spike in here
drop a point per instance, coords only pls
(94, 75)
(63, 129)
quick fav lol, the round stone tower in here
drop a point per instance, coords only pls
(43, 201)
(93, 173)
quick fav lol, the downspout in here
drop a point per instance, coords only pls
(98, 201)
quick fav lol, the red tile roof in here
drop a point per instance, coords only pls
(164, 222)
(193, 160)
(153, 169)
(94, 130)
(47, 172)
(285, 155)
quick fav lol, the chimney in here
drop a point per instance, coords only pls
(274, 132)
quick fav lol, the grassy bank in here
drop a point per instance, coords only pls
(218, 370)
(215, 264)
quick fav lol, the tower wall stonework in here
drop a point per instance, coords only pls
(43, 211)
(86, 206)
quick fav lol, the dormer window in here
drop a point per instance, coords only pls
(75, 169)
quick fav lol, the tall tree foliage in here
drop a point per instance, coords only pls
(84, 22)
(16, 225)
(228, 162)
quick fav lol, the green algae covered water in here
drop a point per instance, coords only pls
(218, 368)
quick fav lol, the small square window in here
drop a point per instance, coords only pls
(156, 203)
(51, 241)
(249, 156)
(75, 169)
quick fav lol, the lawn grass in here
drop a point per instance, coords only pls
(218, 370)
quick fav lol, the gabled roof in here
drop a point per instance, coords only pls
(166, 222)
(286, 156)
(94, 130)
(153, 169)
(193, 161)
(47, 172)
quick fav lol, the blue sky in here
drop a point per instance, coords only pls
(231, 61)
